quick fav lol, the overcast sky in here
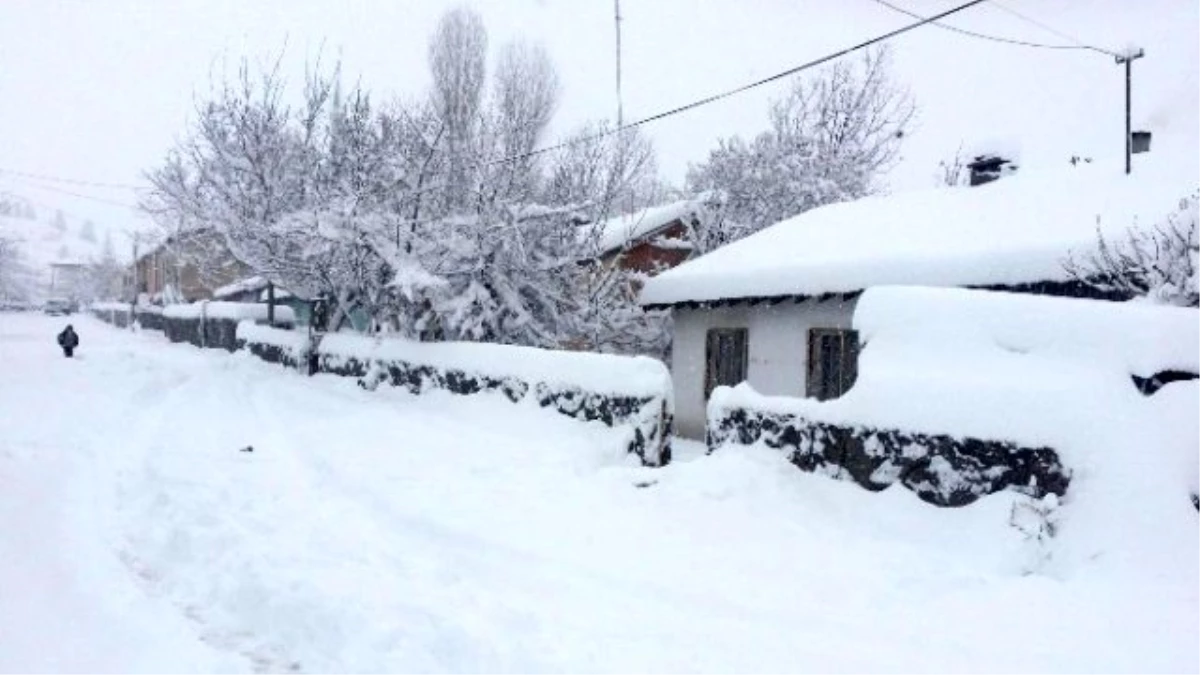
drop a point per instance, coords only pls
(97, 90)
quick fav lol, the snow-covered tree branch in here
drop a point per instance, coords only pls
(429, 217)
(831, 137)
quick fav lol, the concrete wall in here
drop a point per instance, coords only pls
(778, 350)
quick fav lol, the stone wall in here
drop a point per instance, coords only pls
(940, 469)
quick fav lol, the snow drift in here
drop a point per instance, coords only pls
(625, 392)
(236, 311)
(620, 391)
(1044, 372)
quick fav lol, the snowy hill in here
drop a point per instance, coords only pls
(44, 236)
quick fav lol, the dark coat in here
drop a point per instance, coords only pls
(68, 338)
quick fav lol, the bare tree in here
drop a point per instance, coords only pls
(831, 137)
(249, 162)
(87, 231)
(457, 61)
(853, 115)
(524, 96)
(603, 172)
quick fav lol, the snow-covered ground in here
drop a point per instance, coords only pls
(372, 531)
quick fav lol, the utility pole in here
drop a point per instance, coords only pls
(1127, 58)
(620, 112)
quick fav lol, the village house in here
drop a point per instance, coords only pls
(65, 277)
(185, 268)
(776, 309)
(647, 241)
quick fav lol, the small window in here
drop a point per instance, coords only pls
(832, 362)
(725, 358)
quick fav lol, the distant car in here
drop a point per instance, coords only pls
(59, 307)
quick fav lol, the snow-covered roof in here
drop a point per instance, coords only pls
(254, 283)
(615, 232)
(1016, 230)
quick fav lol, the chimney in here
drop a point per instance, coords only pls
(1140, 141)
(989, 167)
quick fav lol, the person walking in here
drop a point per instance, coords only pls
(68, 340)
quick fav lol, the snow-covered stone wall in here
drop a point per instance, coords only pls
(621, 392)
(215, 324)
(964, 392)
(941, 469)
(115, 313)
(288, 348)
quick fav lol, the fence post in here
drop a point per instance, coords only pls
(203, 323)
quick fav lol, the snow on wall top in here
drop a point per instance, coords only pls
(615, 232)
(110, 306)
(227, 310)
(601, 373)
(1011, 231)
(296, 341)
(240, 286)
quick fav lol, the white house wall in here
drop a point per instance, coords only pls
(777, 343)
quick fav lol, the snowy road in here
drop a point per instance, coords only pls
(379, 531)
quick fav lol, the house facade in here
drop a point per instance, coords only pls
(65, 277)
(776, 309)
(774, 344)
(186, 267)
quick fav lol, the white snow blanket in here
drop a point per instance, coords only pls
(253, 283)
(110, 306)
(452, 534)
(631, 393)
(1015, 230)
(600, 373)
(296, 342)
(1040, 371)
(227, 310)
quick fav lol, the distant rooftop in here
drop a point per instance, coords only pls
(615, 232)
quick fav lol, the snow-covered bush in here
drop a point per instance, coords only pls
(1160, 263)
(1038, 521)
(630, 392)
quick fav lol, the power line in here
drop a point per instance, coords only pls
(1050, 29)
(82, 196)
(732, 92)
(995, 38)
(709, 99)
(71, 181)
